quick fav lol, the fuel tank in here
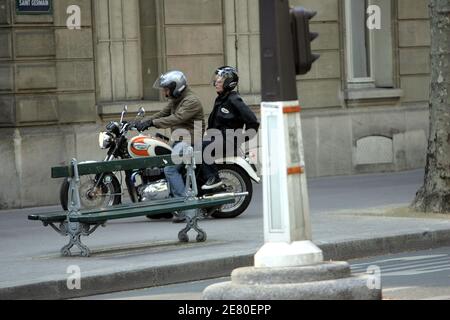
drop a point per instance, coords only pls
(143, 146)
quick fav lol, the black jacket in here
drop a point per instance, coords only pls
(231, 112)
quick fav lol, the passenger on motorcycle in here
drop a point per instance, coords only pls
(230, 114)
(184, 112)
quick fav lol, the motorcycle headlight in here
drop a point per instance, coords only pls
(104, 140)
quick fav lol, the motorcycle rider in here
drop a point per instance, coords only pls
(185, 112)
(230, 112)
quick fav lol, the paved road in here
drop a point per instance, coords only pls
(416, 275)
(327, 195)
(363, 191)
(29, 254)
(413, 275)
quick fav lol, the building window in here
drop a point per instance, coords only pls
(151, 34)
(243, 42)
(359, 42)
(118, 53)
(369, 52)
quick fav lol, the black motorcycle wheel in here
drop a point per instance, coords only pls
(236, 180)
(112, 187)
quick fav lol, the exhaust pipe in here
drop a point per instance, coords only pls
(226, 195)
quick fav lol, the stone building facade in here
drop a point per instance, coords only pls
(365, 101)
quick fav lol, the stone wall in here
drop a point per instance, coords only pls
(414, 50)
(47, 71)
(321, 88)
(334, 140)
(59, 87)
(47, 90)
(366, 130)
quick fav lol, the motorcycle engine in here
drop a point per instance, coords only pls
(156, 190)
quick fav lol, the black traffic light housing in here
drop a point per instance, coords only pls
(302, 37)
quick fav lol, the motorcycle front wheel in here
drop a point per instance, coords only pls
(236, 180)
(106, 195)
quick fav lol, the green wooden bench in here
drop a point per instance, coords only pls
(76, 223)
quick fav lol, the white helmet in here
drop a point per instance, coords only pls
(175, 81)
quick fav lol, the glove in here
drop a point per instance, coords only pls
(143, 125)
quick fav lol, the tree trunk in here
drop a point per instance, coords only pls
(434, 196)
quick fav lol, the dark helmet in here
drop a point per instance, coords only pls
(175, 81)
(230, 76)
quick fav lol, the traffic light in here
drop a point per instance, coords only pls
(302, 37)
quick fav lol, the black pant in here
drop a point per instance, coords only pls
(208, 170)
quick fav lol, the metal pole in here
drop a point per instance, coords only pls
(289, 258)
(287, 229)
(277, 53)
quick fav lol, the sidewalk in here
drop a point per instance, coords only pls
(138, 253)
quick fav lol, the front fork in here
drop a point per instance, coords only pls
(99, 177)
(131, 187)
(128, 181)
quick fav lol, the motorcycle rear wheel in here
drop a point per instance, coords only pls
(236, 180)
(110, 193)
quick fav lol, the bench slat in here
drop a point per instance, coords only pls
(56, 217)
(113, 166)
(151, 210)
(132, 205)
(61, 216)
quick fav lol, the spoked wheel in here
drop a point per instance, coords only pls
(235, 180)
(107, 194)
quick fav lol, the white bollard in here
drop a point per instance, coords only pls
(287, 227)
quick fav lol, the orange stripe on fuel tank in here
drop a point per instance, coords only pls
(140, 153)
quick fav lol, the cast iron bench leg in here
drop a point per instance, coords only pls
(75, 231)
(62, 229)
(192, 217)
(75, 239)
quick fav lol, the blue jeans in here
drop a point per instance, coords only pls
(173, 175)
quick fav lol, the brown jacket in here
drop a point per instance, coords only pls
(186, 112)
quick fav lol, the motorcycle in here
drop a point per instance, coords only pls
(150, 184)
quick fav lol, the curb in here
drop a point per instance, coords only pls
(216, 268)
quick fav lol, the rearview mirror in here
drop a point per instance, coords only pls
(125, 109)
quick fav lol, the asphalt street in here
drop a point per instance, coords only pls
(406, 276)
(346, 216)
(332, 193)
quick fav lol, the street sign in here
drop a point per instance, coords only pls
(34, 6)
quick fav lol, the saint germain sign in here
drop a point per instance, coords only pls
(34, 6)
